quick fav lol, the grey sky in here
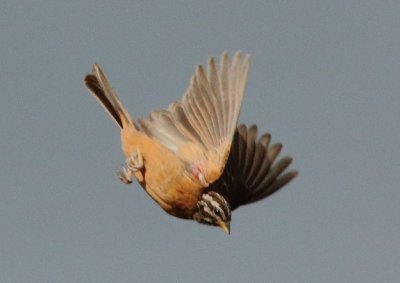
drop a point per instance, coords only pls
(324, 80)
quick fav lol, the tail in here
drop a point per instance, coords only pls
(99, 87)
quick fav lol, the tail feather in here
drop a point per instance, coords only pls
(98, 85)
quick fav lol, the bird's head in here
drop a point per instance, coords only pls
(213, 209)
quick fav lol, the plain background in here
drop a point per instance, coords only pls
(324, 80)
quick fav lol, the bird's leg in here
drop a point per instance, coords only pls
(133, 164)
(198, 174)
(135, 161)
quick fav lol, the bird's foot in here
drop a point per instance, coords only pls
(124, 175)
(135, 161)
(198, 174)
(133, 164)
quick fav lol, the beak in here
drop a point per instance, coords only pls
(225, 226)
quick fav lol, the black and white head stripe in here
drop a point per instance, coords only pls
(212, 208)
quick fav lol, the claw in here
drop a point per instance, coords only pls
(124, 175)
(135, 161)
(198, 174)
(202, 180)
(133, 164)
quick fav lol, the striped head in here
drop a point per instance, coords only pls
(213, 209)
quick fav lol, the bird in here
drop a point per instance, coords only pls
(192, 158)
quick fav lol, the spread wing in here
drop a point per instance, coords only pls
(253, 171)
(200, 127)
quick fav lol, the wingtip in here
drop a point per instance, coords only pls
(224, 57)
(287, 160)
(95, 67)
(245, 57)
(288, 177)
(253, 127)
(238, 54)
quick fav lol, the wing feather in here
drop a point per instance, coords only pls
(206, 117)
(253, 170)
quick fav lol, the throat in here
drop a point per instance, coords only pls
(182, 212)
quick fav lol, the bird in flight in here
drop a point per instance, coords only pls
(192, 158)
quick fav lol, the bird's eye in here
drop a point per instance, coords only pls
(217, 211)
